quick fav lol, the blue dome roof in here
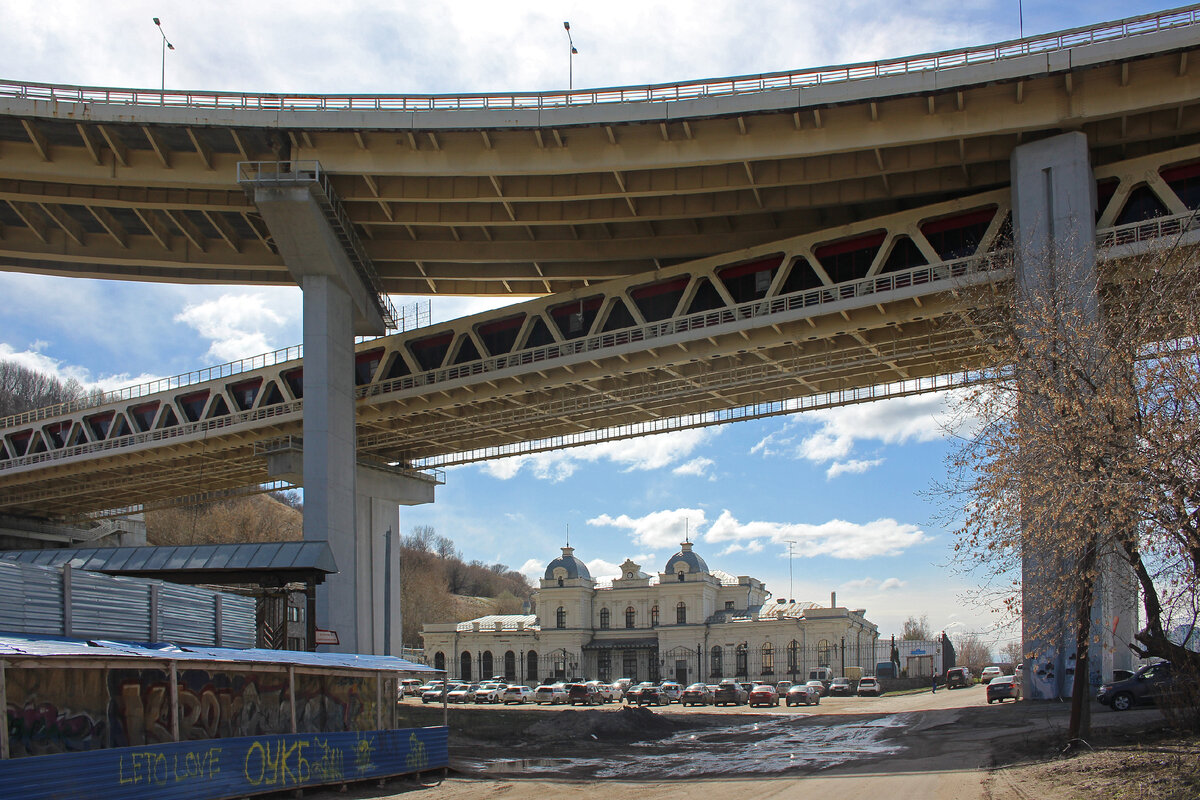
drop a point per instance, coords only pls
(574, 567)
(694, 562)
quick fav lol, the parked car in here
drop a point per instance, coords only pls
(608, 692)
(584, 694)
(489, 692)
(841, 686)
(409, 687)
(730, 693)
(803, 693)
(464, 693)
(869, 686)
(989, 673)
(672, 690)
(1148, 685)
(764, 694)
(652, 695)
(957, 677)
(782, 687)
(517, 694)
(633, 692)
(822, 674)
(819, 686)
(550, 693)
(435, 694)
(623, 684)
(1005, 686)
(698, 694)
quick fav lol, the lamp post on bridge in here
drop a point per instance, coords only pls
(166, 45)
(570, 59)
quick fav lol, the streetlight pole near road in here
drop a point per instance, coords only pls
(570, 59)
(166, 45)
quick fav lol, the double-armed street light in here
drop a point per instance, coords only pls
(570, 58)
(166, 45)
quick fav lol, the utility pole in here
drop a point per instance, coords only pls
(791, 595)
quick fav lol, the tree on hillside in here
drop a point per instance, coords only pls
(916, 630)
(1086, 455)
(24, 389)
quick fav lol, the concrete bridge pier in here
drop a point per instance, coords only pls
(1054, 226)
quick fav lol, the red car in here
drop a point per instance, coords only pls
(764, 694)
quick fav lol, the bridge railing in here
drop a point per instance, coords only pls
(662, 92)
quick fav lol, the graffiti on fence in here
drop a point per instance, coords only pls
(55, 711)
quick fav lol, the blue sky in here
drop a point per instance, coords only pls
(849, 486)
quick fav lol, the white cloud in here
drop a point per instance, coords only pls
(697, 466)
(643, 453)
(892, 584)
(836, 538)
(238, 325)
(871, 585)
(599, 568)
(533, 569)
(854, 466)
(659, 529)
(33, 358)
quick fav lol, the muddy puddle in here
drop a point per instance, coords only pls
(765, 747)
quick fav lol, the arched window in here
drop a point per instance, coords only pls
(604, 618)
(768, 659)
(560, 581)
(531, 662)
(793, 655)
(823, 653)
(681, 613)
(654, 617)
(742, 668)
(464, 666)
(681, 577)
(510, 665)
(630, 617)
(715, 666)
(485, 668)
(560, 618)
(439, 661)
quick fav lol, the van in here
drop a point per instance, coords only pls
(822, 674)
(885, 669)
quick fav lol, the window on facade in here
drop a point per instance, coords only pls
(654, 617)
(714, 660)
(681, 613)
(560, 618)
(439, 661)
(510, 665)
(729, 605)
(604, 618)
(823, 653)
(531, 666)
(629, 666)
(768, 659)
(485, 669)
(560, 581)
(681, 577)
(464, 666)
(793, 656)
(630, 617)
(604, 665)
(742, 665)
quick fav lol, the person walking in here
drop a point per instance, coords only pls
(934, 683)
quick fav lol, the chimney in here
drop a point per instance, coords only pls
(833, 599)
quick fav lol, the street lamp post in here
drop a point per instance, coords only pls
(790, 543)
(570, 59)
(166, 45)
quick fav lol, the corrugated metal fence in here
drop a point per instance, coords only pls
(70, 602)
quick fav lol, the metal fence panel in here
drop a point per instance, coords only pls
(109, 608)
(225, 768)
(238, 620)
(186, 615)
(30, 599)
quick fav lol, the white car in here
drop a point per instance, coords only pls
(489, 692)
(869, 686)
(988, 673)
(465, 693)
(410, 687)
(673, 691)
(517, 694)
(551, 693)
(608, 692)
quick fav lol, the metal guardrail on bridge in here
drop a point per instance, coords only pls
(661, 92)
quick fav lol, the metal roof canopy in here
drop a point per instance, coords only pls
(264, 564)
(14, 647)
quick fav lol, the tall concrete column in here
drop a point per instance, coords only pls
(330, 448)
(1054, 225)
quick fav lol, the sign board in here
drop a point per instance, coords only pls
(914, 652)
(323, 636)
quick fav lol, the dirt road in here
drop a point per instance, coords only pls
(926, 746)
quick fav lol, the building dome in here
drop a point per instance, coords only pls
(685, 561)
(567, 566)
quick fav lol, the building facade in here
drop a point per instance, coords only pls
(686, 623)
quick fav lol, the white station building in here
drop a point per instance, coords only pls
(687, 623)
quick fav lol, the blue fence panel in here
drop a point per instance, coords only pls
(213, 769)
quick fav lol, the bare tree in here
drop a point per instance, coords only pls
(24, 389)
(972, 652)
(916, 630)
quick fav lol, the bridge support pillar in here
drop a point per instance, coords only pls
(1054, 225)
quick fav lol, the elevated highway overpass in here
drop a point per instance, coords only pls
(706, 251)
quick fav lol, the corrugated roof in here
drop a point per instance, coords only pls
(263, 556)
(508, 622)
(16, 645)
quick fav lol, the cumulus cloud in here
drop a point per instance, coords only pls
(837, 538)
(854, 466)
(237, 324)
(873, 585)
(631, 455)
(659, 529)
(603, 570)
(697, 466)
(533, 569)
(33, 358)
(891, 584)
